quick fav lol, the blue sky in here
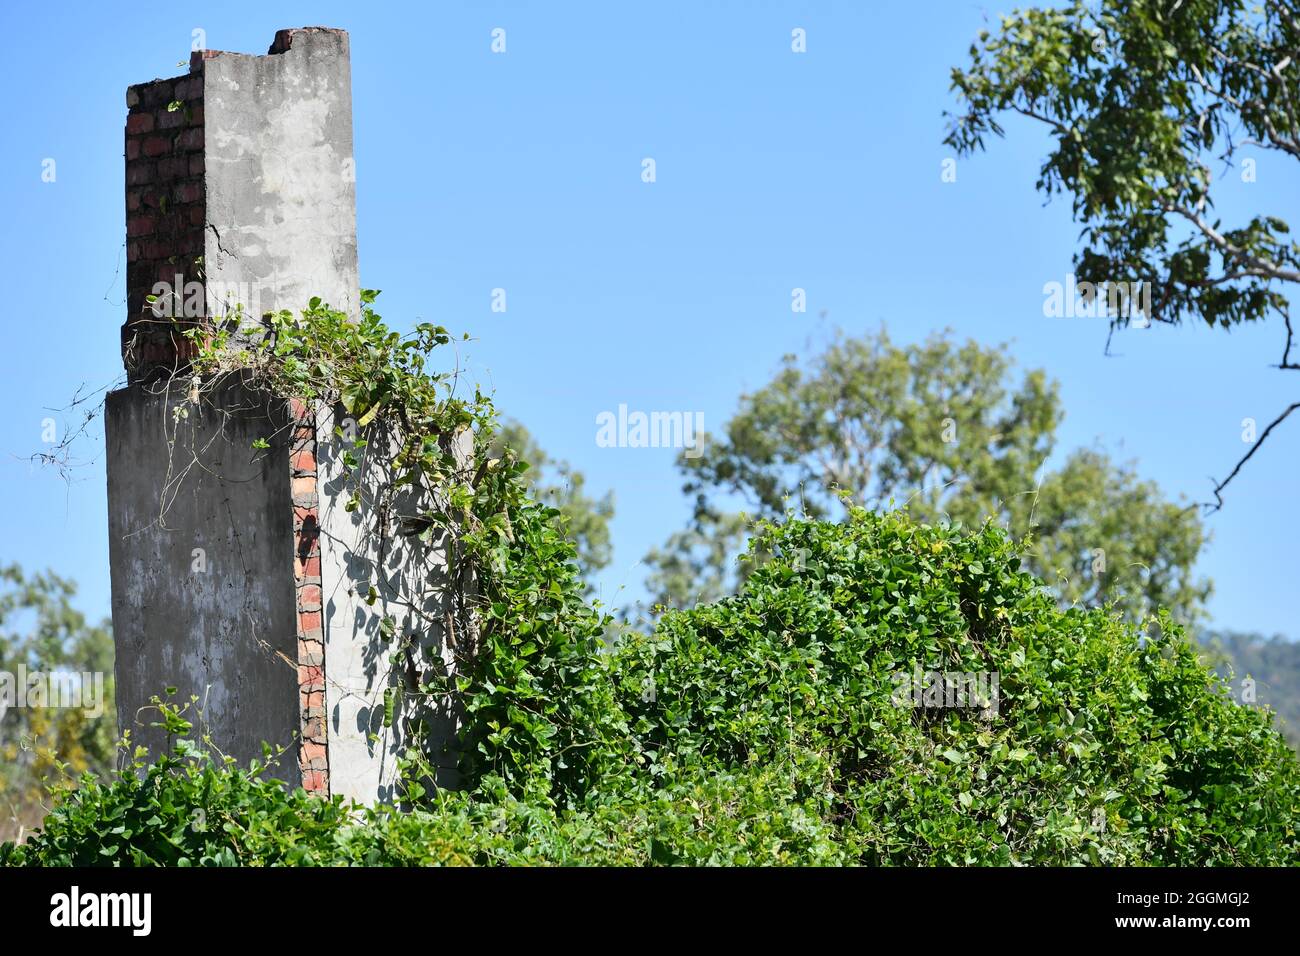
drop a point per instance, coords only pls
(522, 171)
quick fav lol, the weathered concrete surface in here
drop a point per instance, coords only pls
(366, 548)
(281, 192)
(201, 550)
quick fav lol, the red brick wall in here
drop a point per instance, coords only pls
(313, 758)
(165, 213)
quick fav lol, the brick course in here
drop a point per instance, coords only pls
(313, 751)
(165, 208)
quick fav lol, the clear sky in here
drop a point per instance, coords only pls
(522, 171)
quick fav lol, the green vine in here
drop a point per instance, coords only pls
(528, 682)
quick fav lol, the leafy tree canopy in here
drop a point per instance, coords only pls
(39, 745)
(557, 484)
(944, 428)
(1144, 101)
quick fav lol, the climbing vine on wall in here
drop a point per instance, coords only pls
(526, 679)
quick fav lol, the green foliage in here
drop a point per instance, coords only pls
(192, 810)
(767, 728)
(523, 678)
(942, 427)
(560, 486)
(764, 728)
(1143, 100)
(186, 809)
(1108, 747)
(42, 746)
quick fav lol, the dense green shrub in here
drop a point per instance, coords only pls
(189, 809)
(766, 728)
(1109, 745)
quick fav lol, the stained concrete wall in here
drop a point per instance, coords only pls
(361, 549)
(281, 196)
(201, 546)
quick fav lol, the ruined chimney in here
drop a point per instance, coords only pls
(239, 575)
(239, 192)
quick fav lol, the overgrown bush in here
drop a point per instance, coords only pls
(768, 728)
(191, 809)
(1108, 746)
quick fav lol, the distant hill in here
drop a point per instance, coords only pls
(1273, 663)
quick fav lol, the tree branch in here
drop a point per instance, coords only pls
(1209, 507)
(1290, 335)
(1260, 268)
